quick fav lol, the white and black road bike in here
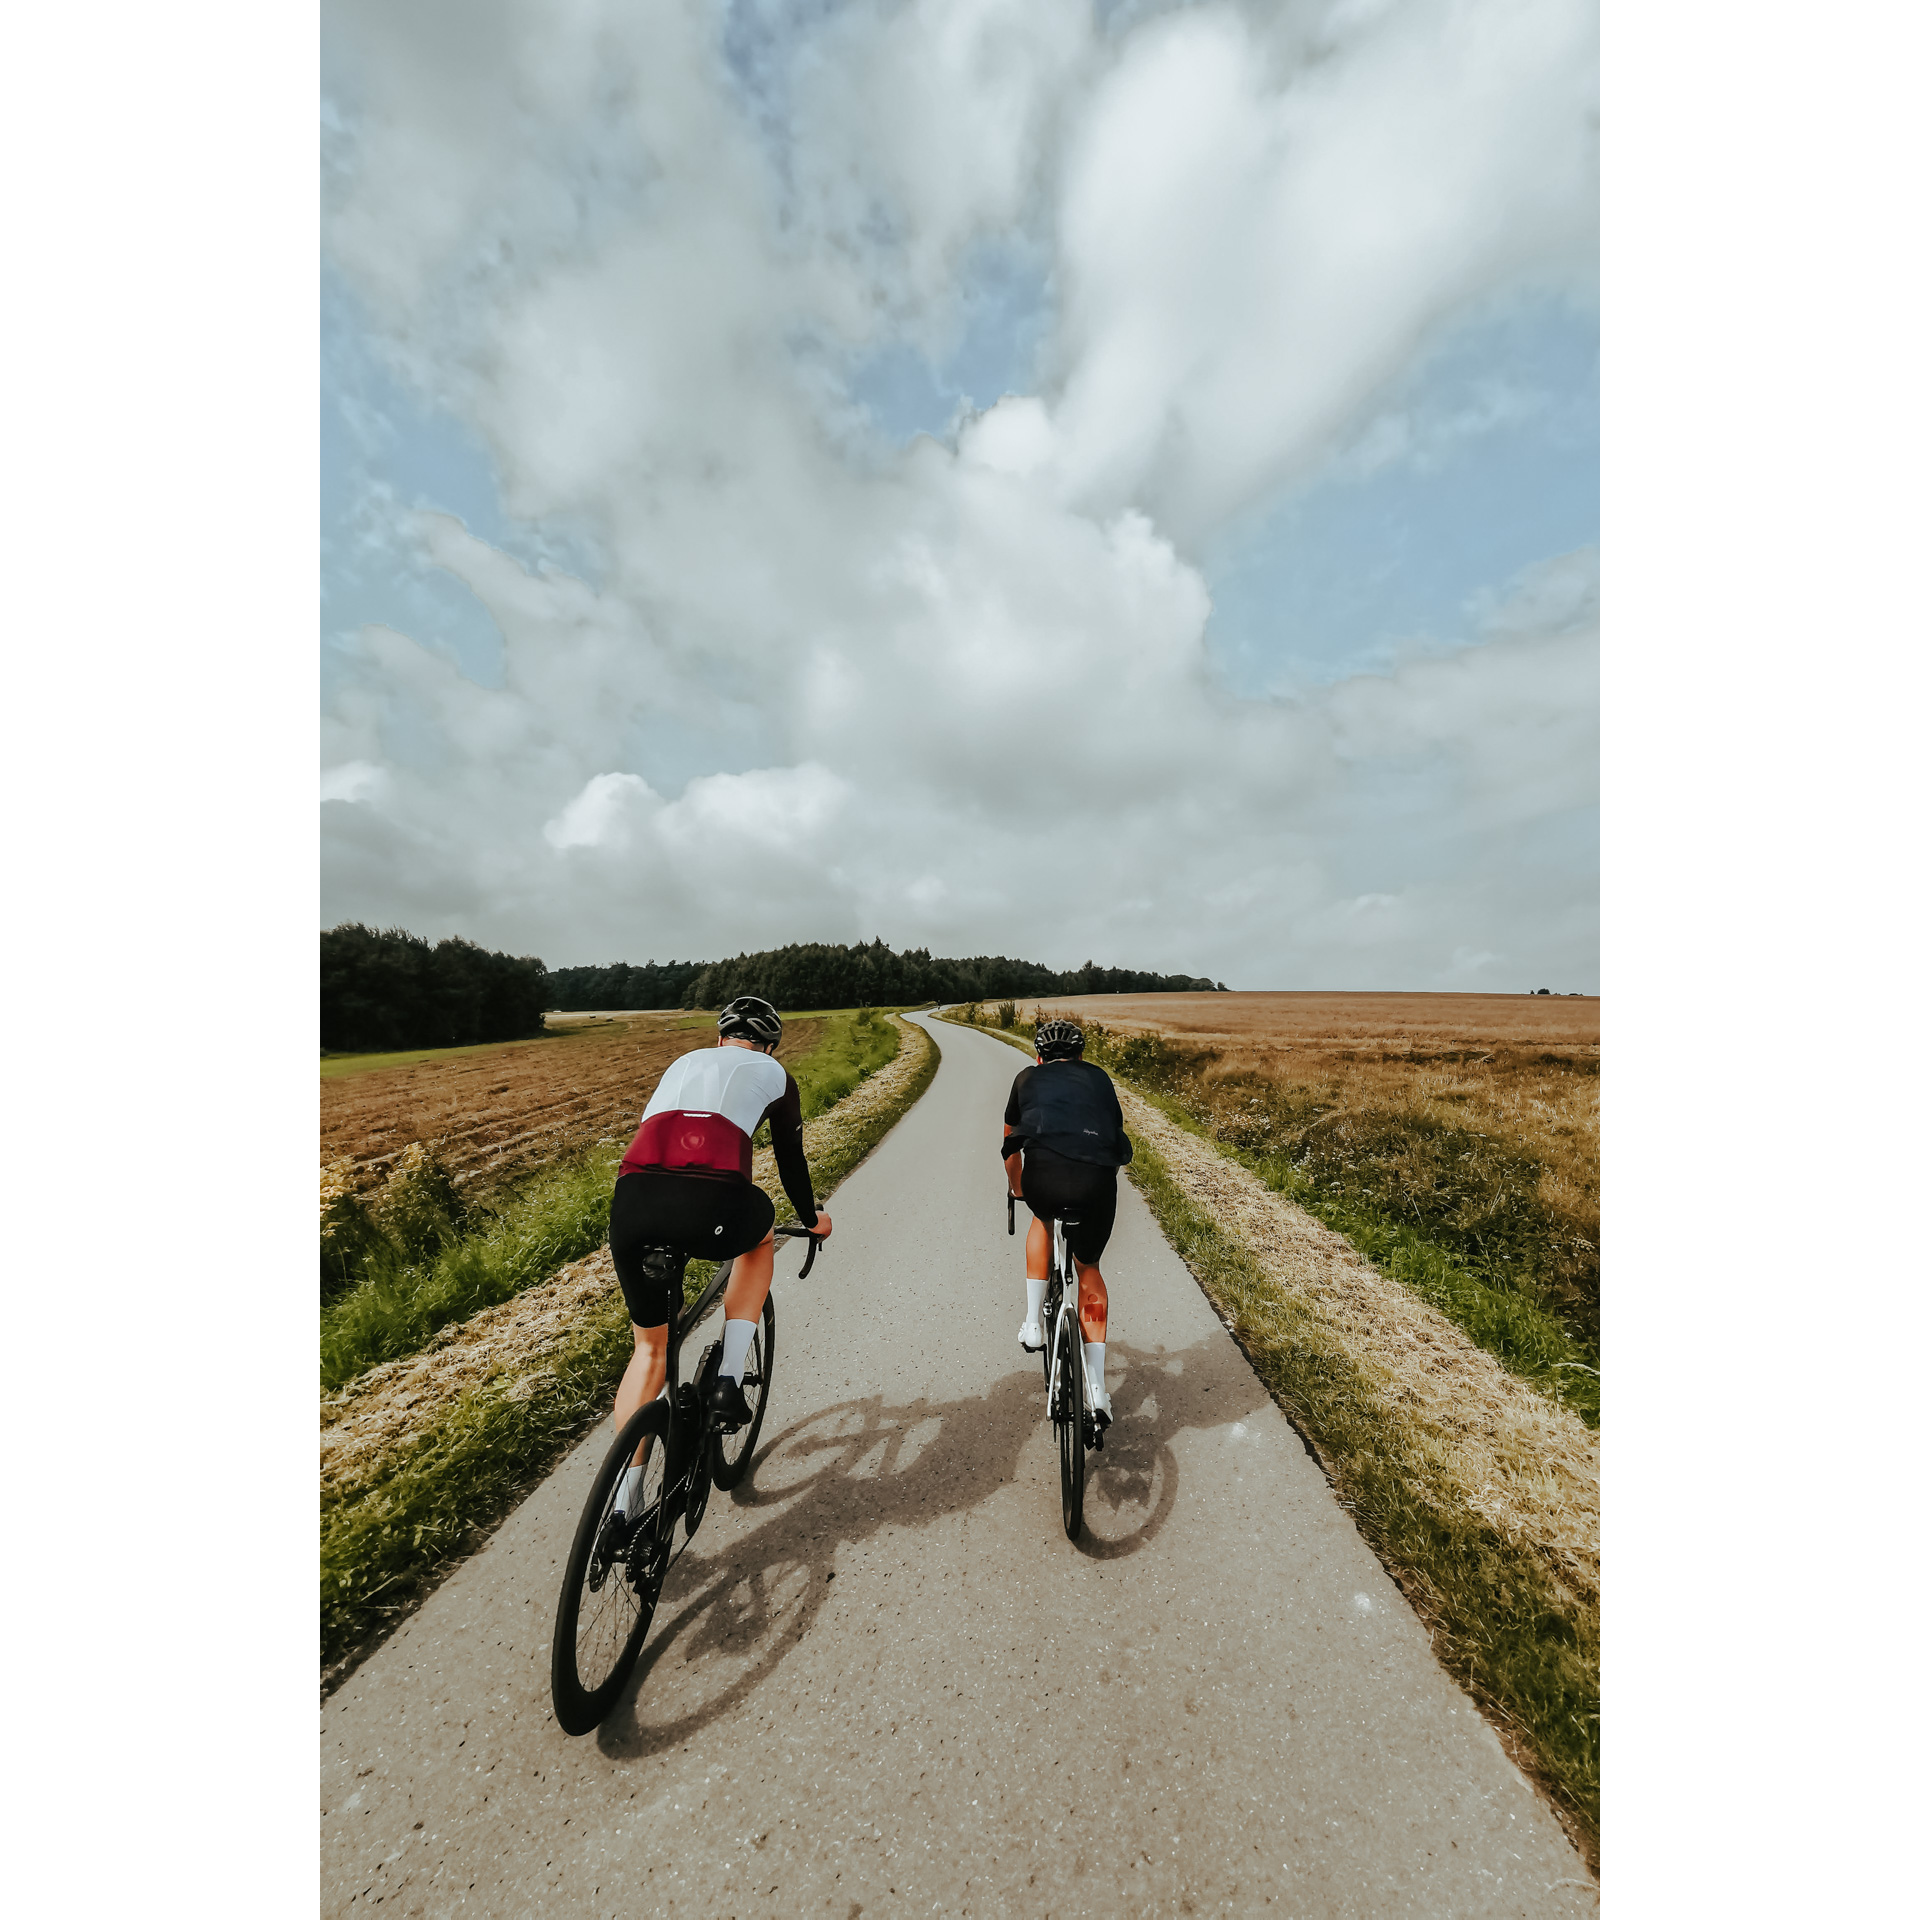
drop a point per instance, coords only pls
(1063, 1367)
(620, 1561)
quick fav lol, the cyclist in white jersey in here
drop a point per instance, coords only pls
(687, 1182)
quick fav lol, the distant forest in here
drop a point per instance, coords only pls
(384, 991)
(868, 975)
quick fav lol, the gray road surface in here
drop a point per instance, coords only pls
(882, 1681)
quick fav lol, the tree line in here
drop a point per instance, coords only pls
(384, 990)
(870, 974)
(596, 989)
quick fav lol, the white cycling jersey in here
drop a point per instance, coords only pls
(732, 1081)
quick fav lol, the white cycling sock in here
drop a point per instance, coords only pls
(1096, 1352)
(733, 1353)
(1035, 1288)
(629, 1488)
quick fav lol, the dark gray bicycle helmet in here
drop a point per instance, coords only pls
(750, 1018)
(1058, 1040)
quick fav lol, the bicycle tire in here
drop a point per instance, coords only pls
(733, 1452)
(598, 1629)
(1070, 1423)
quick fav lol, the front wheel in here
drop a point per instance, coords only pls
(613, 1578)
(733, 1452)
(1069, 1422)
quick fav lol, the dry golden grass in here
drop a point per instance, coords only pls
(1476, 1114)
(1395, 1021)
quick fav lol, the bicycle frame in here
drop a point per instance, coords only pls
(1064, 1272)
(688, 1475)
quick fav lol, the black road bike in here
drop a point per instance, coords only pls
(620, 1562)
(1063, 1367)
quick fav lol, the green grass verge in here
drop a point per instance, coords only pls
(1493, 1308)
(1502, 1624)
(381, 1548)
(407, 1292)
(554, 1216)
(853, 1046)
(1529, 1340)
(384, 1544)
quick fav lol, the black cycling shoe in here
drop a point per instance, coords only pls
(726, 1405)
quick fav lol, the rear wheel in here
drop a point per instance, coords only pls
(733, 1452)
(1049, 1315)
(1069, 1423)
(612, 1580)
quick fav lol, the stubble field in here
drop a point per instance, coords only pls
(1396, 1022)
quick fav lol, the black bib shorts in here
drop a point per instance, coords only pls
(711, 1216)
(1051, 1185)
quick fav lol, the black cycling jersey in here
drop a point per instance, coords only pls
(1070, 1108)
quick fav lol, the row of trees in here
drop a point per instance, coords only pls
(872, 975)
(384, 990)
(595, 989)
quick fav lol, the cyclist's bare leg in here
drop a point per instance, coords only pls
(750, 1282)
(646, 1374)
(1093, 1303)
(1039, 1247)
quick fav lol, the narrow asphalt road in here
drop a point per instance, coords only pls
(882, 1681)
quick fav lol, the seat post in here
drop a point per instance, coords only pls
(668, 1265)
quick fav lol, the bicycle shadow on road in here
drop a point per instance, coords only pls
(862, 1467)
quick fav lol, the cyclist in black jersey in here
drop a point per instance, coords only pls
(1063, 1145)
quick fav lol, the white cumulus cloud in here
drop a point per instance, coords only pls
(801, 686)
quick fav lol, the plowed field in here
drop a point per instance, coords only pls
(497, 1113)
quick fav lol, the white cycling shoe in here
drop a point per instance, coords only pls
(1031, 1337)
(1101, 1401)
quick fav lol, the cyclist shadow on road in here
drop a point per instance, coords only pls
(739, 1603)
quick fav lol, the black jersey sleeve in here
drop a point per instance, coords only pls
(789, 1155)
(1016, 1139)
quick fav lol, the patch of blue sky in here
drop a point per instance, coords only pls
(1484, 462)
(385, 453)
(759, 40)
(1004, 311)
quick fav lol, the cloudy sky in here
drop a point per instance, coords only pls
(1111, 481)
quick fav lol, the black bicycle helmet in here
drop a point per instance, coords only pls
(750, 1018)
(1058, 1040)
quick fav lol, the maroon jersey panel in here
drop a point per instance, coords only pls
(690, 1143)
